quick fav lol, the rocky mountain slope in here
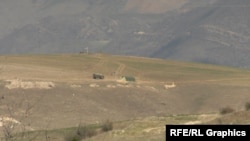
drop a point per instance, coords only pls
(214, 31)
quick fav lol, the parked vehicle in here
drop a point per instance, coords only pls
(98, 76)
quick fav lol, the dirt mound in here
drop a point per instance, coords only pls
(7, 119)
(16, 83)
(167, 86)
(75, 86)
(93, 85)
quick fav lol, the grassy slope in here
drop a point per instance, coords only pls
(144, 68)
(147, 71)
(151, 128)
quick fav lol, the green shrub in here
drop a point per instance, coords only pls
(81, 133)
(84, 132)
(73, 137)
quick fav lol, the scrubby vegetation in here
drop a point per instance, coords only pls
(83, 132)
(107, 126)
(226, 110)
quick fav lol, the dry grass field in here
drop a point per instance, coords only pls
(53, 94)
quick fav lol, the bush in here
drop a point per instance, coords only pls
(107, 126)
(81, 133)
(84, 132)
(247, 106)
(73, 137)
(226, 110)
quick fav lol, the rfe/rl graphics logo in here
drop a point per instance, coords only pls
(186, 132)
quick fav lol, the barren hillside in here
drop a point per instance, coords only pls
(54, 92)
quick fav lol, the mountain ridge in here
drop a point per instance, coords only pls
(198, 31)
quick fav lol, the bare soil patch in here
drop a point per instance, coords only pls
(17, 83)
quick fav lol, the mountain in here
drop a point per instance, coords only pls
(214, 32)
